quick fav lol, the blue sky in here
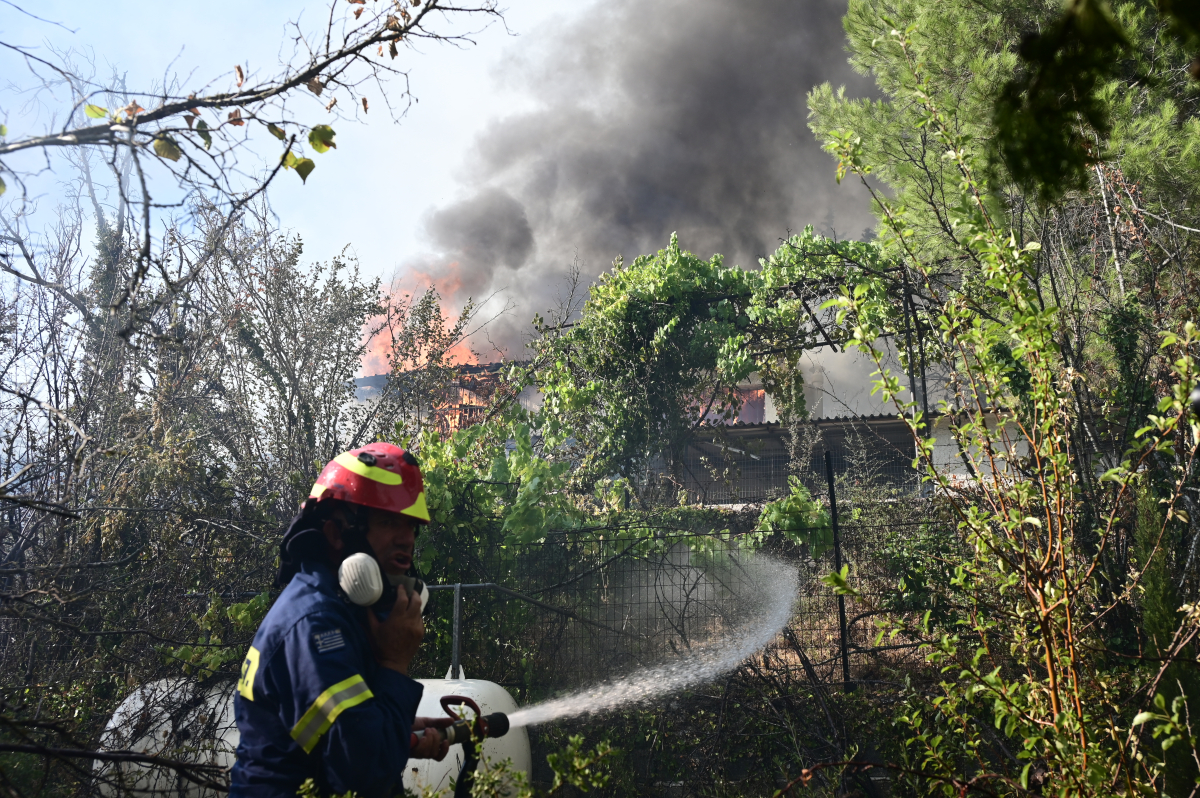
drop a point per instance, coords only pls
(386, 176)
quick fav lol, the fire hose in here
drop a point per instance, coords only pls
(470, 733)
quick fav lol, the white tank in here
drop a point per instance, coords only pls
(425, 774)
(176, 719)
(173, 718)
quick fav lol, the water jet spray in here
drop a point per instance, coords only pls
(778, 586)
(700, 665)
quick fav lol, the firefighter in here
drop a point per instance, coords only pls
(324, 691)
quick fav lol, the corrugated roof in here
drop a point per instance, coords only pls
(822, 420)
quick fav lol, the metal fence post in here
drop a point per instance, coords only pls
(455, 667)
(837, 563)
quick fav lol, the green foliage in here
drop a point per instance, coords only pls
(923, 563)
(1021, 663)
(474, 478)
(977, 56)
(577, 767)
(541, 502)
(782, 304)
(205, 134)
(320, 138)
(303, 166)
(1014, 371)
(1158, 544)
(246, 616)
(642, 365)
(839, 582)
(662, 344)
(799, 518)
(572, 766)
(210, 653)
(166, 147)
(1050, 114)
(1124, 327)
(1087, 69)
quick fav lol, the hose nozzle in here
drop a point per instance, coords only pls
(462, 729)
(493, 725)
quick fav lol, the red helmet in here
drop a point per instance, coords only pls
(378, 475)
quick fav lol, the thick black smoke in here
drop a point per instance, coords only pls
(655, 116)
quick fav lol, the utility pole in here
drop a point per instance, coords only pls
(908, 342)
(455, 661)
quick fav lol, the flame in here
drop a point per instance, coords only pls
(754, 403)
(414, 283)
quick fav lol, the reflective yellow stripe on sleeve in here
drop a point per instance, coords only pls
(325, 710)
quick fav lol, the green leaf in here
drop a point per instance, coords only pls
(321, 138)
(304, 168)
(95, 111)
(1113, 475)
(1143, 717)
(840, 582)
(799, 518)
(165, 147)
(276, 132)
(205, 136)
(3, 131)
(3, 188)
(499, 472)
(289, 160)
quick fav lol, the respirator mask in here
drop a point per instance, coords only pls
(365, 584)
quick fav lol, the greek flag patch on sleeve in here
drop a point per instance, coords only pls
(329, 641)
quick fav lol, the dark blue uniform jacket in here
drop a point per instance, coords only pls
(312, 702)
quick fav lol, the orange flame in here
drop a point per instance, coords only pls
(379, 348)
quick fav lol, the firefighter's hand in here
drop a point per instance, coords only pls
(430, 746)
(395, 640)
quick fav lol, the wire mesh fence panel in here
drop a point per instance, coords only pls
(629, 602)
(617, 605)
(740, 478)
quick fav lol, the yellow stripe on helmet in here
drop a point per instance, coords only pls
(418, 509)
(382, 475)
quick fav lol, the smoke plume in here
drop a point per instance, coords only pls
(651, 117)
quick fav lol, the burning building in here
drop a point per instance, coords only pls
(742, 460)
(449, 401)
